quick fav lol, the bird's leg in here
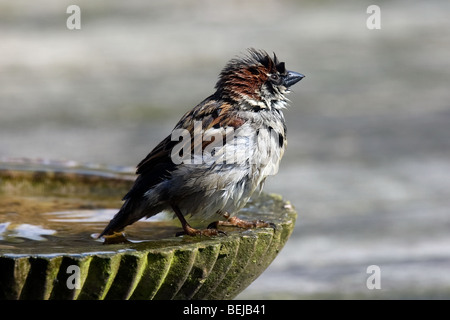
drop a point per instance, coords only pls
(236, 222)
(188, 230)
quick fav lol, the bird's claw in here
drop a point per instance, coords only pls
(209, 232)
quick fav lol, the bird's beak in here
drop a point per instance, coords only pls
(292, 78)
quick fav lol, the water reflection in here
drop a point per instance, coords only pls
(82, 216)
(36, 224)
(23, 231)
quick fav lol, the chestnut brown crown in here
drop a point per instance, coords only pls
(256, 79)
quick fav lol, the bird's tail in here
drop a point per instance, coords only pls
(131, 211)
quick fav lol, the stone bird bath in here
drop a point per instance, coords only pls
(50, 213)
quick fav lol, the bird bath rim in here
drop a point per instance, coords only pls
(165, 267)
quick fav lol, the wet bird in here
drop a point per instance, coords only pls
(219, 153)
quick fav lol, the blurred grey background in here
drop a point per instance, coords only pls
(367, 165)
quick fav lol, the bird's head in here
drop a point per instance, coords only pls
(256, 81)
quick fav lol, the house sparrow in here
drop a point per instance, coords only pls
(219, 153)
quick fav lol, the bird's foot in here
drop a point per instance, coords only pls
(209, 232)
(236, 222)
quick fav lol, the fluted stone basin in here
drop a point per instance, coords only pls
(50, 213)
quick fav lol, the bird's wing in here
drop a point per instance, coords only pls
(153, 169)
(158, 164)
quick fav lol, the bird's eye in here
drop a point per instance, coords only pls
(275, 77)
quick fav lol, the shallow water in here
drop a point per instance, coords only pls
(49, 225)
(48, 209)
